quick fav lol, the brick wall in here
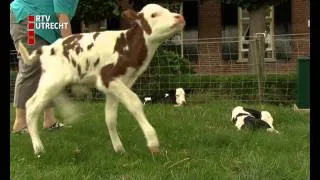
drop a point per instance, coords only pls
(209, 27)
(299, 18)
(300, 15)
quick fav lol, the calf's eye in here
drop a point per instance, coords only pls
(153, 15)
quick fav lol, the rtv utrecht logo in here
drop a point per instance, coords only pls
(41, 22)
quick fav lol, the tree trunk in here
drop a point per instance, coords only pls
(257, 25)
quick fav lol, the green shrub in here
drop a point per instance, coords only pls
(97, 10)
(167, 62)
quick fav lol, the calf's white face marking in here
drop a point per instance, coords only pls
(237, 110)
(163, 23)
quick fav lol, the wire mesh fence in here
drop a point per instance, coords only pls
(210, 69)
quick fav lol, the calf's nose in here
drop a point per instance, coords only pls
(180, 18)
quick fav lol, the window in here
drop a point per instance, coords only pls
(190, 13)
(189, 9)
(282, 18)
(282, 21)
(243, 28)
(229, 14)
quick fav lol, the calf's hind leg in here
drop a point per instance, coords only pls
(46, 92)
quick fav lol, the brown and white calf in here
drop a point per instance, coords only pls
(111, 60)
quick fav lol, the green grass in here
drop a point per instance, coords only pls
(197, 142)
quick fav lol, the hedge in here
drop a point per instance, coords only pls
(278, 88)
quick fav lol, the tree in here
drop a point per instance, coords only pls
(92, 12)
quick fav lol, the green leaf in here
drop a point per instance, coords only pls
(96, 10)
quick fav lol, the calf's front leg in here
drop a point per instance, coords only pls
(135, 107)
(111, 111)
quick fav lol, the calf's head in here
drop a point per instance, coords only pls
(180, 96)
(266, 116)
(158, 23)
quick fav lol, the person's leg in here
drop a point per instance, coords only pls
(20, 120)
(27, 78)
(49, 117)
(18, 32)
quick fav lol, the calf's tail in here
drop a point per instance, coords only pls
(26, 57)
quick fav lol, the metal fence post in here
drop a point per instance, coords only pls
(303, 82)
(181, 34)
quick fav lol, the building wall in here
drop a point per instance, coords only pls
(300, 16)
(209, 27)
(210, 58)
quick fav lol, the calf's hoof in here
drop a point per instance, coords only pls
(119, 149)
(39, 154)
(154, 149)
(39, 149)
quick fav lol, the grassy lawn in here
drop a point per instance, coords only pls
(197, 142)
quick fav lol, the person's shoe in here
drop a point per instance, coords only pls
(21, 131)
(56, 125)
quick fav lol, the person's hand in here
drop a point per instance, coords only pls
(63, 18)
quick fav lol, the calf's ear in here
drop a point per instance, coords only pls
(132, 17)
(129, 15)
